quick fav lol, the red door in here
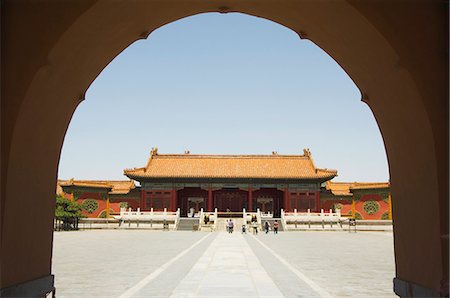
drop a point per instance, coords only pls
(232, 200)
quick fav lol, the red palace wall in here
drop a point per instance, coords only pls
(166, 198)
(114, 203)
(94, 196)
(359, 206)
(326, 205)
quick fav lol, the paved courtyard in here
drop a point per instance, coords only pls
(142, 263)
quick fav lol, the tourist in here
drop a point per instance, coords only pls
(275, 227)
(255, 227)
(230, 226)
(244, 229)
(227, 226)
(266, 226)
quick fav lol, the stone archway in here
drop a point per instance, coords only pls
(396, 53)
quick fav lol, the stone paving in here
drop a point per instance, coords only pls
(127, 263)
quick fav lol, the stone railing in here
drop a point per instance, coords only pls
(258, 218)
(177, 219)
(266, 215)
(247, 216)
(301, 218)
(158, 217)
(283, 220)
(212, 220)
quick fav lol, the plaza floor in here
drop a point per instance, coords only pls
(142, 263)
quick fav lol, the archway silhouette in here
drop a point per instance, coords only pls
(42, 85)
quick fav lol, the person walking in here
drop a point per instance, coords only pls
(266, 226)
(230, 226)
(244, 229)
(275, 227)
(255, 227)
(227, 226)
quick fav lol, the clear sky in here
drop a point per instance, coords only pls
(223, 84)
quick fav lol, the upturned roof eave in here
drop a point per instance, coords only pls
(210, 179)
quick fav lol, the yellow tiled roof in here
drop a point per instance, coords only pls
(230, 166)
(370, 185)
(115, 186)
(339, 188)
(344, 188)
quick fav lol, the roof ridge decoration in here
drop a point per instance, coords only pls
(153, 152)
(271, 156)
(307, 153)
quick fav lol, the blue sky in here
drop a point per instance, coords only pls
(223, 84)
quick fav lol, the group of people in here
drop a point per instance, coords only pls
(276, 225)
(230, 226)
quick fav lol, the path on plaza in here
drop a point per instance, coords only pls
(230, 268)
(194, 264)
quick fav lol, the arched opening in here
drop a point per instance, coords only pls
(217, 84)
(404, 92)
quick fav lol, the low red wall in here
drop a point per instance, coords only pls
(114, 205)
(383, 206)
(359, 206)
(326, 205)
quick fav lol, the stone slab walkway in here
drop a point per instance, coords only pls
(194, 264)
(227, 268)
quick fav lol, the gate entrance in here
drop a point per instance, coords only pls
(265, 204)
(230, 200)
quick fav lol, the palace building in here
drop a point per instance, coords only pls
(232, 183)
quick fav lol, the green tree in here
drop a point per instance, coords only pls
(68, 212)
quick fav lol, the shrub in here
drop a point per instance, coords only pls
(103, 213)
(371, 207)
(90, 205)
(337, 206)
(357, 214)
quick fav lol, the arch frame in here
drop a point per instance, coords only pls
(372, 41)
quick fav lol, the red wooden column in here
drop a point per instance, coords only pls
(173, 201)
(317, 198)
(210, 199)
(250, 198)
(142, 204)
(286, 200)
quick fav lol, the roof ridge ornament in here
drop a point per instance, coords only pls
(306, 152)
(153, 152)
